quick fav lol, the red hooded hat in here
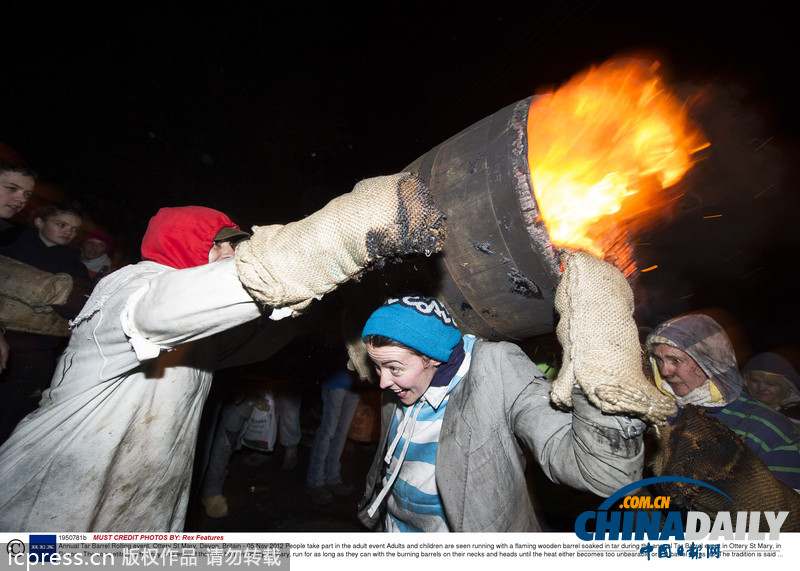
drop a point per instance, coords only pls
(181, 237)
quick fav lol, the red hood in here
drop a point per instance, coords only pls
(181, 237)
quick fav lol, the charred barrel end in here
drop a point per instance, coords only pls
(418, 228)
(498, 271)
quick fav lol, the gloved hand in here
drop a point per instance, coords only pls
(598, 335)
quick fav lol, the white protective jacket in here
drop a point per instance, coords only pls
(112, 445)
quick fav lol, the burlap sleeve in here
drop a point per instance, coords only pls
(32, 286)
(16, 316)
(26, 296)
(384, 217)
(600, 342)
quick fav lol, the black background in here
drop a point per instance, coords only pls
(267, 112)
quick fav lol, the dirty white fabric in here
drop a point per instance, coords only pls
(112, 444)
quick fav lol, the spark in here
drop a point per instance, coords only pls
(748, 274)
(758, 148)
(770, 187)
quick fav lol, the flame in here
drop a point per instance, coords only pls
(601, 150)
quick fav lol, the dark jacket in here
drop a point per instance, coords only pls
(29, 249)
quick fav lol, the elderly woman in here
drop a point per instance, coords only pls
(455, 408)
(694, 361)
(772, 380)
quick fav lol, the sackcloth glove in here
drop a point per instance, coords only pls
(600, 342)
(358, 359)
(288, 266)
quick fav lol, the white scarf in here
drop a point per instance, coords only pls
(98, 263)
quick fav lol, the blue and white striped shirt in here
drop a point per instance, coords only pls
(414, 503)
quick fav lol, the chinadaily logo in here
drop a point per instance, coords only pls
(624, 517)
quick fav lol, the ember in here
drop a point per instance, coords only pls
(601, 150)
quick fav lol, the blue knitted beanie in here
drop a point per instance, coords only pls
(421, 323)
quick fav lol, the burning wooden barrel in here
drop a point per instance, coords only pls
(599, 153)
(499, 270)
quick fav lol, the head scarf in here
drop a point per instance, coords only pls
(779, 369)
(99, 234)
(421, 323)
(182, 237)
(705, 341)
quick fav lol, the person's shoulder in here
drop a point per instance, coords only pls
(73, 265)
(754, 408)
(116, 289)
(487, 345)
(792, 411)
(9, 232)
(16, 238)
(27, 248)
(745, 400)
(495, 355)
(141, 271)
(497, 348)
(132, 276)
(64, 259)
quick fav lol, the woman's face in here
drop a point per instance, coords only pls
(93, 249)
(678, 369)
(403, 371)
(58, 229)
(766, 388)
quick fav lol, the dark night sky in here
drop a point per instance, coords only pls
(266, 113)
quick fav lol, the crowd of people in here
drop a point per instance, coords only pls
(103, 423)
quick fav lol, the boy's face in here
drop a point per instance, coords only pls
(58, 229)
(402, 371)
(15, 190)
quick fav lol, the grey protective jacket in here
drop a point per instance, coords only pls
(479, 463)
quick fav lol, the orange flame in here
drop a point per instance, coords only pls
(601, 150)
